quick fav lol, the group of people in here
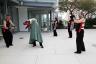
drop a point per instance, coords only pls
(79, 27)
(35, 31)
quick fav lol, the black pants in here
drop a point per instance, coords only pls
(55, 32)
(8, 37)
(79, 41)
(70, 33)
(34, 43)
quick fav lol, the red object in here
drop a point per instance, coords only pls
(7, 24)
(80, 27)
(27, 23)
(4, 29)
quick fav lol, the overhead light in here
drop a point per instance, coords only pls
(21, 2)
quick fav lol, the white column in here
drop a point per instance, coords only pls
(22, 18)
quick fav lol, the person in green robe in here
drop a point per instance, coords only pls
(35, 33)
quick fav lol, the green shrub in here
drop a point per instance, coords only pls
(90, 22)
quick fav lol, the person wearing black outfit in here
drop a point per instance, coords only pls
(54, 24)
(71, 25)
(7, 35)
(80, 34)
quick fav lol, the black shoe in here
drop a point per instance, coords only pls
(11, 44)
(69, 37)
(55, 36)
(34, 45)
(7, 46)
(83, 50)
(42, 47)
(41, 44)
(77, 52)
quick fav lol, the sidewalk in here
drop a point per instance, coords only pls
(57, 50)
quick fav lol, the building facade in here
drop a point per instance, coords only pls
(8, 7)
(42, 10)
(21, 10)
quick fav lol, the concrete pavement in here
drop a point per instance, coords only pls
(57, 50)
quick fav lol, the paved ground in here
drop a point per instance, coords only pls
(58, 50)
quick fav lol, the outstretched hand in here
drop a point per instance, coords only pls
(13, 28)
(27, 23)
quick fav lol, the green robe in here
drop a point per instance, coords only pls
(35, 32)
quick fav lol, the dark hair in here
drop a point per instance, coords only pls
(56, 19)
(7, 15)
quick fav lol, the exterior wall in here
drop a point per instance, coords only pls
(25, 13)
(13, 12)
(42, 0)
(22, 18)
(42, 18)
(50, 3)
(6, 8)
(39, 13)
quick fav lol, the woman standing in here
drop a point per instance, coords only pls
(54, 25)
(71, 25)
(35, 33)
(80, 23)
(7, 35)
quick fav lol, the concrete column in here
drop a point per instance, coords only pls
(51, 19)
(5, 8)
(48, 26)
(40, 20)
(22, 18)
